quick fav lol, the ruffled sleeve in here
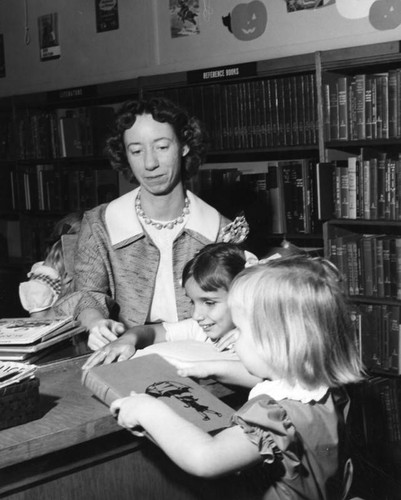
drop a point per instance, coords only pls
(268, 426)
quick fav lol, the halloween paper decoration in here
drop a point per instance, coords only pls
(247, 21)
(385, 14)
(354, 9)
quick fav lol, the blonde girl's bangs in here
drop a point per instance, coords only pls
(253, 293)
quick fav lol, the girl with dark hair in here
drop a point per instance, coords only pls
(206, 279)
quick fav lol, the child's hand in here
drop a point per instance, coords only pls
(127, 411)
(103, 332)
(227, 341)
(200, 369)
(118, 350)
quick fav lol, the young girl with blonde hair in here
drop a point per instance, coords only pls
(295, 334)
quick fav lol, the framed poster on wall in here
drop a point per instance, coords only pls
(48, 37)
(2, 58)
(106, 15)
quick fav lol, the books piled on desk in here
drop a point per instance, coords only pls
(29, 339)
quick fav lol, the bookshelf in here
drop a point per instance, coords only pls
(257, 113)
(360, 145)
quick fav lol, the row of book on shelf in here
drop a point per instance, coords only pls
(241, 115)
(49, 187)
(62, 132)
(363, 106)
(378, 328)
(376, 420)
(367, 189)
(369, 263)
(283, 195)
(255, 113)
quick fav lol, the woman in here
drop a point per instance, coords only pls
(131, 252)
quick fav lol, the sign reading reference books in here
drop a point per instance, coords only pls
(222, 73)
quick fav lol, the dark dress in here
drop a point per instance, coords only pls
(301, 445)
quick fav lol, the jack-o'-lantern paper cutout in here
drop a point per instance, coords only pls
(354, 9)
(385, 14)
(247, 21)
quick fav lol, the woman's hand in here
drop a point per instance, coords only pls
(199, 369)
(118, 350)
(104, 331)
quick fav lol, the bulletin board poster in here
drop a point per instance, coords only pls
(2, 58)
(106, 15)
(49, 43)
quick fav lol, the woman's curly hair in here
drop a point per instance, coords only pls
(188, 130)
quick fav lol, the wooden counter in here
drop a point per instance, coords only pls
(76, 450)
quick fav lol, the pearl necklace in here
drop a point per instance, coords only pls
(159, 225)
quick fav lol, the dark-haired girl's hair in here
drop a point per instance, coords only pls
(215, 266)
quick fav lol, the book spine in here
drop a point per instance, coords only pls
(398, 187)
(373, 188)
(366, 189)
(360, 86)
(380, 267)
(385, 103)
(102, 391)
(326, 112)
(352, 188)
(381, 186)
(393, 102)
(368, 108)
(394, 341)
(352, 110)
(393, 189)
(398, 266)
(342, 87)
(294, 110)
(334, 112)
(344, 191)
(386, 267)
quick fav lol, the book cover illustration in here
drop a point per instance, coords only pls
(29, 330)
(155, 376)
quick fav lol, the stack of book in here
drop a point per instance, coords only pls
(28, 339)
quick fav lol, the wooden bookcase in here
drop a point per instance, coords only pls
(361, 125)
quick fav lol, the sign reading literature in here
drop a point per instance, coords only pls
(222, 73)
(71, 94)
(106, 15)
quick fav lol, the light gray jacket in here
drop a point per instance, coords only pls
(116, 261)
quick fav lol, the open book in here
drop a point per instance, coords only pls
(154, 375)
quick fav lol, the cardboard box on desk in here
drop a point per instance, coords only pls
(19, 403)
